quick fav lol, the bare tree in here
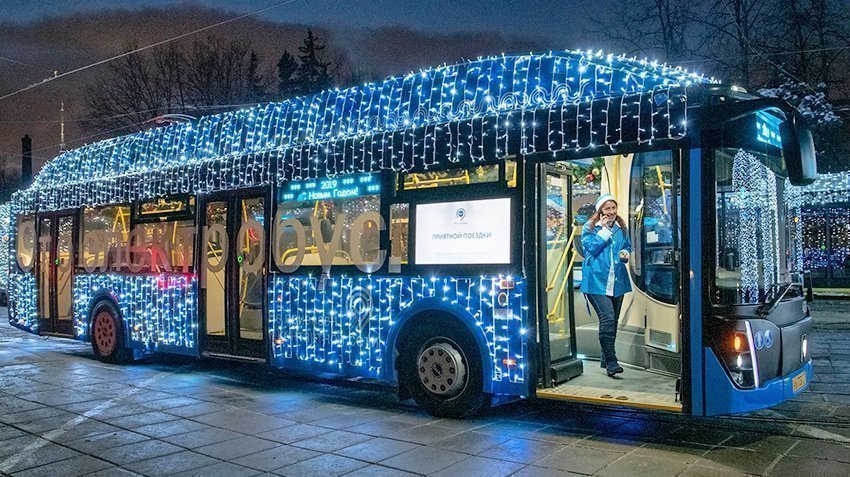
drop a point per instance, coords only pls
(737, 33)
(654, 28)
(816, 33)
(209, 75)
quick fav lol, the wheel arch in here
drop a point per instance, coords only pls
(418, 311)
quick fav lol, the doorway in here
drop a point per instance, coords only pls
(55, 272)
(233, 268)
(646, 188)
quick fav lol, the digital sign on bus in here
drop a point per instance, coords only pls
(767, 129)
(354, 185)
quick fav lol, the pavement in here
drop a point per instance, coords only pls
(63, 413)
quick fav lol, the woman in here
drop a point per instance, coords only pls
(605, 280)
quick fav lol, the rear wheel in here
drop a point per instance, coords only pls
(441, 369)
(107, 334)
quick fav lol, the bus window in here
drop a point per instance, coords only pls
(511, 172)
(103, 233)
(399, 227)
(451, 177)
(25, 242)
(328, 214)
(166, 206)
(651, 210)
(754, 256)
(172, 241)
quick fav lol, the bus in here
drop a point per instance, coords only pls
(424, 231)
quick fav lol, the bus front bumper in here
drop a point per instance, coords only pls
(723, 397)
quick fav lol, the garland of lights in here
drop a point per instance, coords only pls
(345, 325)
(5, 244)
(459, 114)
(757, 232)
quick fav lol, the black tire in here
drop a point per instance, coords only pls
(106, 332)
(449, 341)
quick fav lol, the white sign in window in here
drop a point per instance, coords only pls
(466, 232)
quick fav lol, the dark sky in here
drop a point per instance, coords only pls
(559, 21)
(384, 37)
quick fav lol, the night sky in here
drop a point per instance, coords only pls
(382, 36)
(552, 20)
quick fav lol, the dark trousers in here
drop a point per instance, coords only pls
(608, 310)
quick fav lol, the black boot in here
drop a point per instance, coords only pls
(613, 369)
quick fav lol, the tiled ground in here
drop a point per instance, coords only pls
(62, 413)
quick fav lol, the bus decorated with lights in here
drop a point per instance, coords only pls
(425, 231)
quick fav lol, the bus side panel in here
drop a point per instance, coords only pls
(350, 325)
(725, 398)
(159, 311)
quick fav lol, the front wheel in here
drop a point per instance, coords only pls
(441, 369)
(107, 334)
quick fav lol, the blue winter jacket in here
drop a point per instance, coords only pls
(601, 253)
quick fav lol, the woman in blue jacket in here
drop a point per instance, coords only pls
(604, 278)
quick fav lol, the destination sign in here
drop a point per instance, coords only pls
(326, 188)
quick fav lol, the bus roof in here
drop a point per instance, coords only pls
(496, 89)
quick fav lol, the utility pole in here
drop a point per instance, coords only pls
(62, 127)
(26, 161)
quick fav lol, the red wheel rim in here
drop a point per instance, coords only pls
(104, 333)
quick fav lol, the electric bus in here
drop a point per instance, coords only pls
(424, 231)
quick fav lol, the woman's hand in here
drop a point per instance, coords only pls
(624, 256)
(606, 221)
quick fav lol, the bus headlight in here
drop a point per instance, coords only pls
(736, 351)
(804, 348)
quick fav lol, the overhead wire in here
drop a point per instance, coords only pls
(57, 75)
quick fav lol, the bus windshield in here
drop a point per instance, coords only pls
(753, 259)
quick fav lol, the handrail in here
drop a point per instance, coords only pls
(663, 187)
(561, 260)
(561, 290)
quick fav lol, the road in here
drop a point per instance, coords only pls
(63, 413)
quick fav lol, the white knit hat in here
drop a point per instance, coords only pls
(602, 199)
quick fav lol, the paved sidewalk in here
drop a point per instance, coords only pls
(63, 413)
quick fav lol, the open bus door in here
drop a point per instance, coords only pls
(648, 330)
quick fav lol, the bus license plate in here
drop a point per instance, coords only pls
(798, 382)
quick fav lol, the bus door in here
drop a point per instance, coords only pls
(233, 267)
(558, 256)
(55, 272)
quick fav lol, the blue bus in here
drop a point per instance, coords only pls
(424, 231)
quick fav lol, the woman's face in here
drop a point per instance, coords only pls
(609, 209)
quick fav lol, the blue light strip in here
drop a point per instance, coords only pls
(344, 328)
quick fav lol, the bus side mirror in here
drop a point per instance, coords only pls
(799, 149)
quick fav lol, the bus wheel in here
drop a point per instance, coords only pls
(441, 369)
(107, 334)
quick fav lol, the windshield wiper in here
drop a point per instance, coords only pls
(766, 309)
